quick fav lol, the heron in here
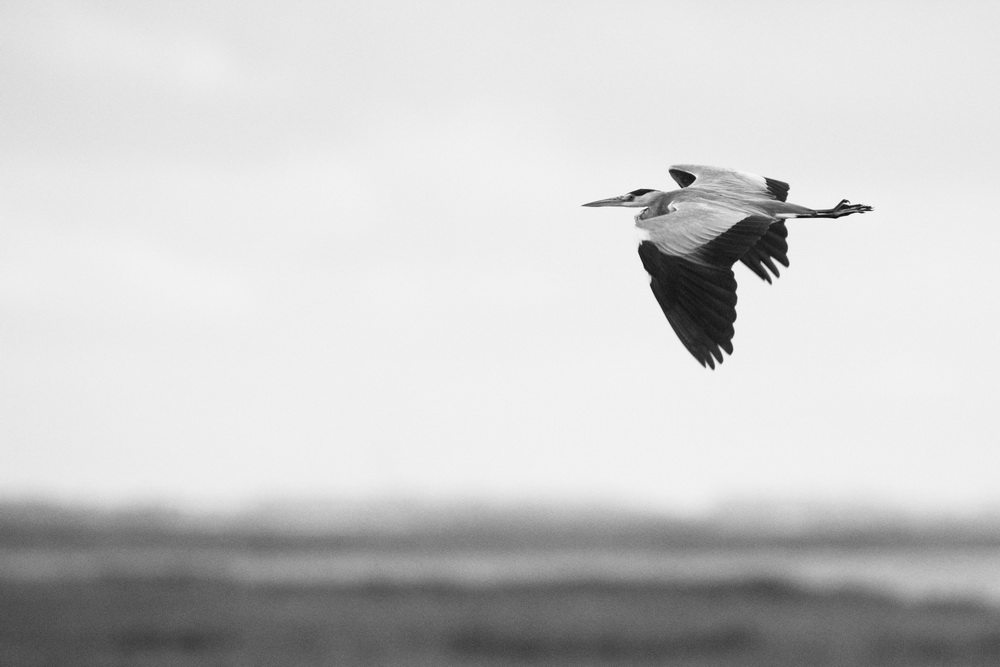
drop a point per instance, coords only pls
(690, 239)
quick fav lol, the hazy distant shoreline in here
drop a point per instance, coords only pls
(494, 587)
(415, 526)
(500, 548)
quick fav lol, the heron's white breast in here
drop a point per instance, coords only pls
(641, 234)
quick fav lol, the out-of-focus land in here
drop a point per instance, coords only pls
(411, 585)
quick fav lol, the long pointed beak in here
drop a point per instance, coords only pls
(613, 201)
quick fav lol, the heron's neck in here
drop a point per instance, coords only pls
(655, 207)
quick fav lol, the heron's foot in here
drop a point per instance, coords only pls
(847, 208)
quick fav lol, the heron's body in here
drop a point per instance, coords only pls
(690, 239)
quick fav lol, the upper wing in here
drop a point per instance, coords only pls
(773, 244)
(689, 257)
(729, 180)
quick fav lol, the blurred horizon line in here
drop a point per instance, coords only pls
(402, 511)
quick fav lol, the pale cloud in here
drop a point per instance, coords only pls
(69, 38)
(113, 278)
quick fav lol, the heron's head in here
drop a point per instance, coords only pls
(640, 198)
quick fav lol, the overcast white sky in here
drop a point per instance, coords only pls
(334, 249)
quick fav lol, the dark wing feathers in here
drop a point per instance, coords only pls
(698, 293)
(734, 243)
(699, 302)
(778, 189)
(683, 178)
(771, 246)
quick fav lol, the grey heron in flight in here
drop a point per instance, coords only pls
(692, 237)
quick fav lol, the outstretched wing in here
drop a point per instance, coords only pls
(729, 180)
(689, 257)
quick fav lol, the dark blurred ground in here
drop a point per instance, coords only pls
(188, 622)
(108, 590)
